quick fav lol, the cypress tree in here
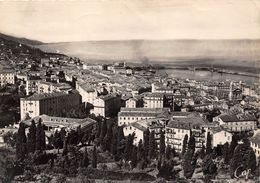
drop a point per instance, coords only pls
(129, 147)
(209, 168)
(85, 160)
(202, 152)
(94, 157)
(251, 160)
(31, 140)
(140, 150)
(189, 163)
(21, 143)
(103, 131)
(98, 129)
(40, 137)
(113, 148)
(146, 142)
(65, 147)
(226, 152)
(108, 139)
(168, 152)
(208, 144)
(184, 144)
(152, 146)
(162, 143)
(233, 145)
(134, 157)
(191, 144)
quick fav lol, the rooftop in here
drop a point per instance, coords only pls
(61, 121)
(237, 118)
(187, 123)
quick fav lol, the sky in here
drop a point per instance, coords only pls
(78, 20)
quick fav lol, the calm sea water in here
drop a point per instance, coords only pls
(207, 75)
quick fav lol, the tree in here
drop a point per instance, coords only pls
(208, 144)
(191, 144)
(226, 152)
(85, 161)
(209, 168)
(168, 152)
(166, 170)
(21, 143)
(251, 160)
(134, 157)
(103, 131)
(94, 157)
(140, 150)
(184, 144)
(146, 142)
(189, 163)
(57, 141)
(108, 138)
(202, 152)
(233, 145)
(243, 157)
(31, 140)
(162, 143)
(113, 148)
(152, 146)
(65, 147)
(40, 137)
(129, 147)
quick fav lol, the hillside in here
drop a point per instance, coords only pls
(21, 40)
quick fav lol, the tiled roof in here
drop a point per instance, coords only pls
(45, 96)
(61, 121)
(187, 123)
(237, 118)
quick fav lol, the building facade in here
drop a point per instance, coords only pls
(7, 77)
(49, 104)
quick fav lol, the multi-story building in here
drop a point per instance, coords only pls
(49, 104)
(255, 143)
(31, 86)
(107, 105)
(50, 87)
(140, 127)
(7, 77)
(88, 94)
(134, 102)
(220, 136)
(130, 115)
(177, 128)
(153, 100)
(237, 122)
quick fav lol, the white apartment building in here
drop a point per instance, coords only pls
(140, 127)
(237, 123)
(153, 100)
(127, 116)
(49, 104)
(88, 93)
(220, 136)
(177, 128)
(106, 105)
(7, 77)
(255, 143)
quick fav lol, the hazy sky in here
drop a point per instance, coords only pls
(55, 21)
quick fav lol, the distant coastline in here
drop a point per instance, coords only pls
(216, 70)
